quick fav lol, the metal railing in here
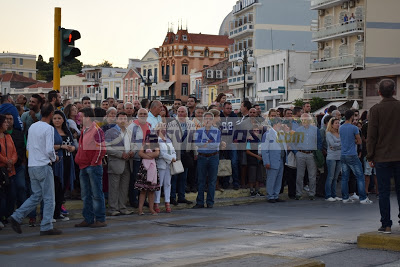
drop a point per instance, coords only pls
(248, 27)
(339, 29)
(334, 93)
(250, 79)
(317, 3)
(163, 97)
(338, 62)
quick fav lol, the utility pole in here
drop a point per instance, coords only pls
(56, 62)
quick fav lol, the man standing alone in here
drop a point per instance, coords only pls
(41, 154)
(382, 148)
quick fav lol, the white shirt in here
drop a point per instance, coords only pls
(40, 144)
(127, 140)
(153, 120)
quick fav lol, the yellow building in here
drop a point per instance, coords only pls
(22, 64)
(212, 93)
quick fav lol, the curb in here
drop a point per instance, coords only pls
(380, 241)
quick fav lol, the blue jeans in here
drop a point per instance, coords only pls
(233, 156)
(42, 184)
(384, 172)
(274, 182)
(178, 183)
(207, 167)
(134, 193)
(92, 194)
(352, 163)
(334, 167)
(17, 189)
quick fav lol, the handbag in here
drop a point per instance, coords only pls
(4, 178)
(319, 158)
(291, 160)
(224, 168)
(176, 167)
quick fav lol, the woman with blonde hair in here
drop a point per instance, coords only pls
(166, 157)
(332, 159)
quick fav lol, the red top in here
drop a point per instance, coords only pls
(92, 147)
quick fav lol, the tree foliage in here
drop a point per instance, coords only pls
(317, 103)
(105, 64)
(298, 102)
(45, 69)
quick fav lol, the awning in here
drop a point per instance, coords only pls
(328, 77)
(285, 106)
(163, 86)
(322, 110)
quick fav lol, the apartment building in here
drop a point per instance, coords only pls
(352, 36)
(21, 64)
(262, 27)
(150, 73)
(131, 85)
(72, 87)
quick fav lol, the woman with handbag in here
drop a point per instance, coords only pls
(165, 159)
(148, 178)
(8, 157)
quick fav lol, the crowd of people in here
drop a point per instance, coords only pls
(121, 156)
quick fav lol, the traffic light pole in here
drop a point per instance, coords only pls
(56, 62)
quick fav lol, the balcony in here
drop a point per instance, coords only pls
(323, 4)
(163, 97)
(240, 7)
(242, 30)
(233, 56)
(165, 77)
(333, 94)
(239, 79)
(338, 62)
(338, 31)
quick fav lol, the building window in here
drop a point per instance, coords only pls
(144, 73)
(136, 84)
(184, 89)
(105, 92)
(226, 54)
(131, 97)
(4, 72)
(173, 52)
(21, 73)
(185, 51)
(272, 73)
(206, 53)
(13, 60)
(126, 85)
(184, 37)
(126, 98)
(176, 37)
(155, 75)
(173, 69)
(99, 75)
(21, 61)
(117, 92)
(30, 75)
(131, 87)
(184, 69)
(263, 75)
(277, 72)
(281, 77)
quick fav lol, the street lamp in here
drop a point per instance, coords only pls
(97, 93)
(148, 81)
(245, 60)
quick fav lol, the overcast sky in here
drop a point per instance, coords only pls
(113, 30)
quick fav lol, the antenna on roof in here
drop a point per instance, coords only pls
(186, 25)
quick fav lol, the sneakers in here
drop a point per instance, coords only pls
(32, 222)
(349, 200)
(366, 201)
(114, 213)
(62, 218)
(16, 226)
(385, 230)
(252, 194)
(354, 197)
(297, 197)
(53, 231)
(258, 194)
(126, 212)
(330, 199)
(307, 188)
(64, 211)
(338, 199)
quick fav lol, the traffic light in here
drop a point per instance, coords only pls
(67, 42)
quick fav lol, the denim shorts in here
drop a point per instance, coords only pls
(367, 169)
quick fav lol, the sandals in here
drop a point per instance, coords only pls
(156, 208)
(167, 208)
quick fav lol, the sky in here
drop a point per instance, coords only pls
(112, 30)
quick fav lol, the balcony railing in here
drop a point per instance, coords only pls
(233, 56)
(243, 29)
(338, 62)
(239, 79)
(338, 30)
(321, 4)
(163, 97)
(342, 93)
(165, 77)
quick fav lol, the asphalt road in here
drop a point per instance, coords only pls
(257, 234)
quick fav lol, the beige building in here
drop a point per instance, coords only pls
(72, 87)
(351, 35)
(22, 64)
(149, 68)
